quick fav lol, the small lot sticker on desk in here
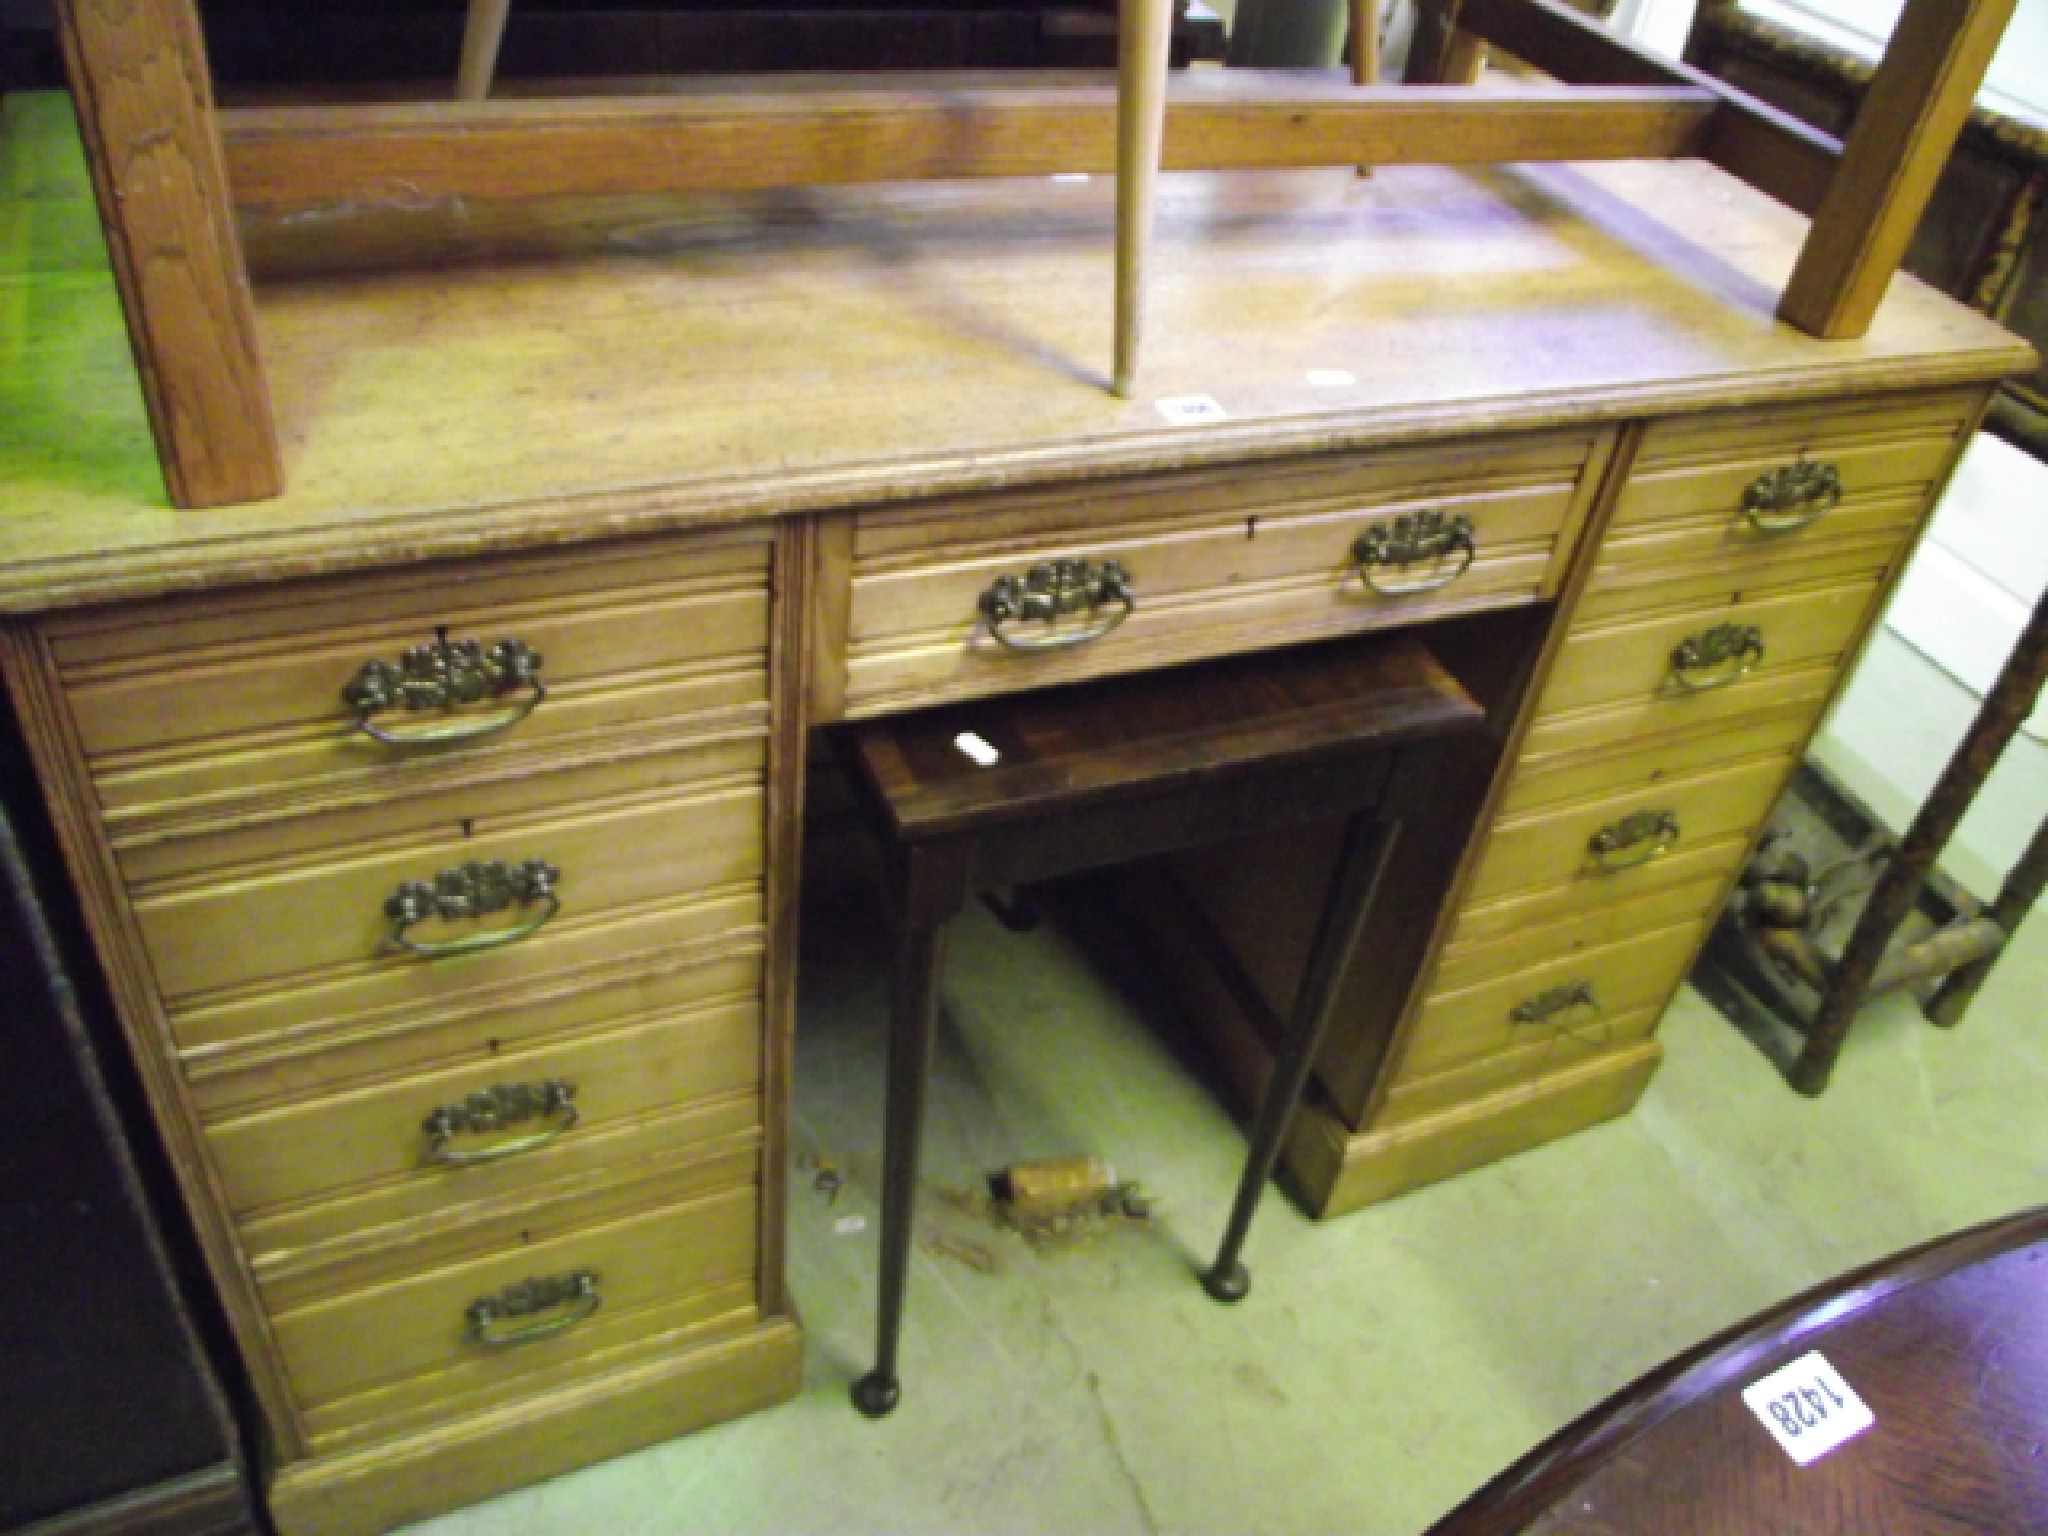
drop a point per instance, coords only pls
(1191, 410)
(978, 748)
(1808, 1408)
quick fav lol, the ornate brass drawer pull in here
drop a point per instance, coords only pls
(498, 1108)
(1634, 840)
(475, 890)
(1056, 590)
(444, 677)
(1547, 1007)
(577, 1292)
(1411, 539)
(1716, 657)
(1786, 500)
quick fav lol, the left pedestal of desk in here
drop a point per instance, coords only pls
(443, 911)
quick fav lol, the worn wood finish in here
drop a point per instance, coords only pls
(761, 133)
(313, 1146)
(448, 1464)
(630, 419)
(346, 1345)
(560, 379)
(1340, 1170)
(1640, 972)
(483, 30)
(1078, 747)
(1917, 103)
(1770, 149)
(1944, 1343)
(145, 104)
(1209, 560)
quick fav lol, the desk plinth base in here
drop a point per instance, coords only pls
(1329, 1167)
(1333, 1169)
(395, 1482)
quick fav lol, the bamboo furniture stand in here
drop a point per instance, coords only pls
(172, 172)
(1859, 972)
(1081, 779)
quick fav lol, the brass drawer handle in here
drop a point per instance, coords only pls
(1634, 840)
(1545, 1007)
(445, 676)
(577, 1292)
(1056, 590)
(1410, 539)
(495, 1109)
(1788, 499)
(1716, 657)
(475, 890)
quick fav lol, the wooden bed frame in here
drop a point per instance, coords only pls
(170, 171)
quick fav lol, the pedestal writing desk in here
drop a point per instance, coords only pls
(472, 1053)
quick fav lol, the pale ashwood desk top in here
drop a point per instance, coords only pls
(591, 372)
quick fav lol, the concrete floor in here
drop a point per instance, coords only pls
(1386, 1363)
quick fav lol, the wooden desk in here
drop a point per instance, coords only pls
(737, 466)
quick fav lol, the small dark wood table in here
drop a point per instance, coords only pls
(1010, 790)
(1947, 1345)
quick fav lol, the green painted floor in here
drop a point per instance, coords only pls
(1385, 1364)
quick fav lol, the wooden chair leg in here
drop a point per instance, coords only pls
(1365, 49)
(1368, 844)
(1144, 42)
(1365, 42)
(482, 34)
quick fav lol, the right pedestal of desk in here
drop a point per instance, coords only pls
(1733, 566)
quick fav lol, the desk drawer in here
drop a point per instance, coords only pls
(1708, 653)
(230, 699)
(1466, 962)
(1603, 767)
(1706, 469)
(1579, 994)
(421, 1324)
(1606, 844)
(306, 915)
(548, 1098)
(1212, 563)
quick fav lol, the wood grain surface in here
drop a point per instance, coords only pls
(775, 131)
(1947, 1345)
(572, 372)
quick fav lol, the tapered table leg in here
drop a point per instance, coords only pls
(914, 1006)
(1368, 843)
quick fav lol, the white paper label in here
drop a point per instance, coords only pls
(977, 747)
(1808, 1408)
(850, 1226)
(1070, 178)
(1190, 410)
(1330, 378)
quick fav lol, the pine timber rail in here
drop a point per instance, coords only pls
(761, 133)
